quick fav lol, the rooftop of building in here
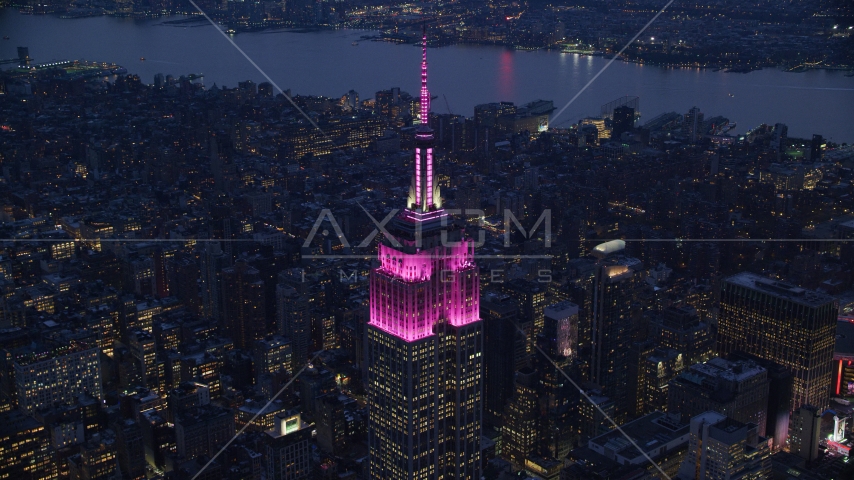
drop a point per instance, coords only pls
(202, 414)
(561, 310)
(39, 352)
(731, 431)
(608, 248)
(780, 289)
(721, 368)
(262, 408)
(649, 432)
(287, 423)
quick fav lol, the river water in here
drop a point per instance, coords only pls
(327, 63)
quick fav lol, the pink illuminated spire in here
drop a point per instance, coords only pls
(422, 192)
(425, 94)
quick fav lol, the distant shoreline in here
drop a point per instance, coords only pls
(192, 18)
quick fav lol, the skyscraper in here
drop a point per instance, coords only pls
(787, 325)
(680, 328)
(505, 355)
(557, 349)
(720, 447)
(243, 299)
(624, 120)
(521, 430)
(287, 448)
(781, 133)
(805, 432)
(816, 148)
(612, 326)
(294, 320)
(560, 330)
(144, 352)
(738, 389)
(532, 300)
(692, 125)
(425, 336)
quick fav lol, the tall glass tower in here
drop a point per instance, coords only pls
(425, 336)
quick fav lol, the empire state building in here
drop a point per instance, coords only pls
(425, 336)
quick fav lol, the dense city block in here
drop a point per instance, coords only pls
(237, 283)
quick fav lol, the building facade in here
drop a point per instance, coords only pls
(805, 432)
(48, 376)
(612, 327)
(720, 447)
(738, 389)
(787, 325)
(287, 448)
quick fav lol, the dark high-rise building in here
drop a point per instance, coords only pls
(805, 432)
(487, 114)
(611, 323)
(737, 389)
(781, 133)
(655, 374)
(244, 304)
(387, 102)
(537, 421)
(144, 353)
(315, 383)
(213, 260)
(721, 447)
(559, 337)
(96, 461)
(323, 336)
(294, 316)
(425, 338)
(692, 125)
(532, 300)
(816, 148)
(23, 56)
(787, 325)
(608, 110)
(521, 431)
(680, 328)
(130, 448)
(503, 352)
(203, 430)
(557, 349)
(624, 121)
(25, 450)
(332, 435)
(287, 448)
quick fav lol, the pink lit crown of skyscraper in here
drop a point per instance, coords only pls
(427, 278)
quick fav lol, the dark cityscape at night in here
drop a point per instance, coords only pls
(463, 240)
